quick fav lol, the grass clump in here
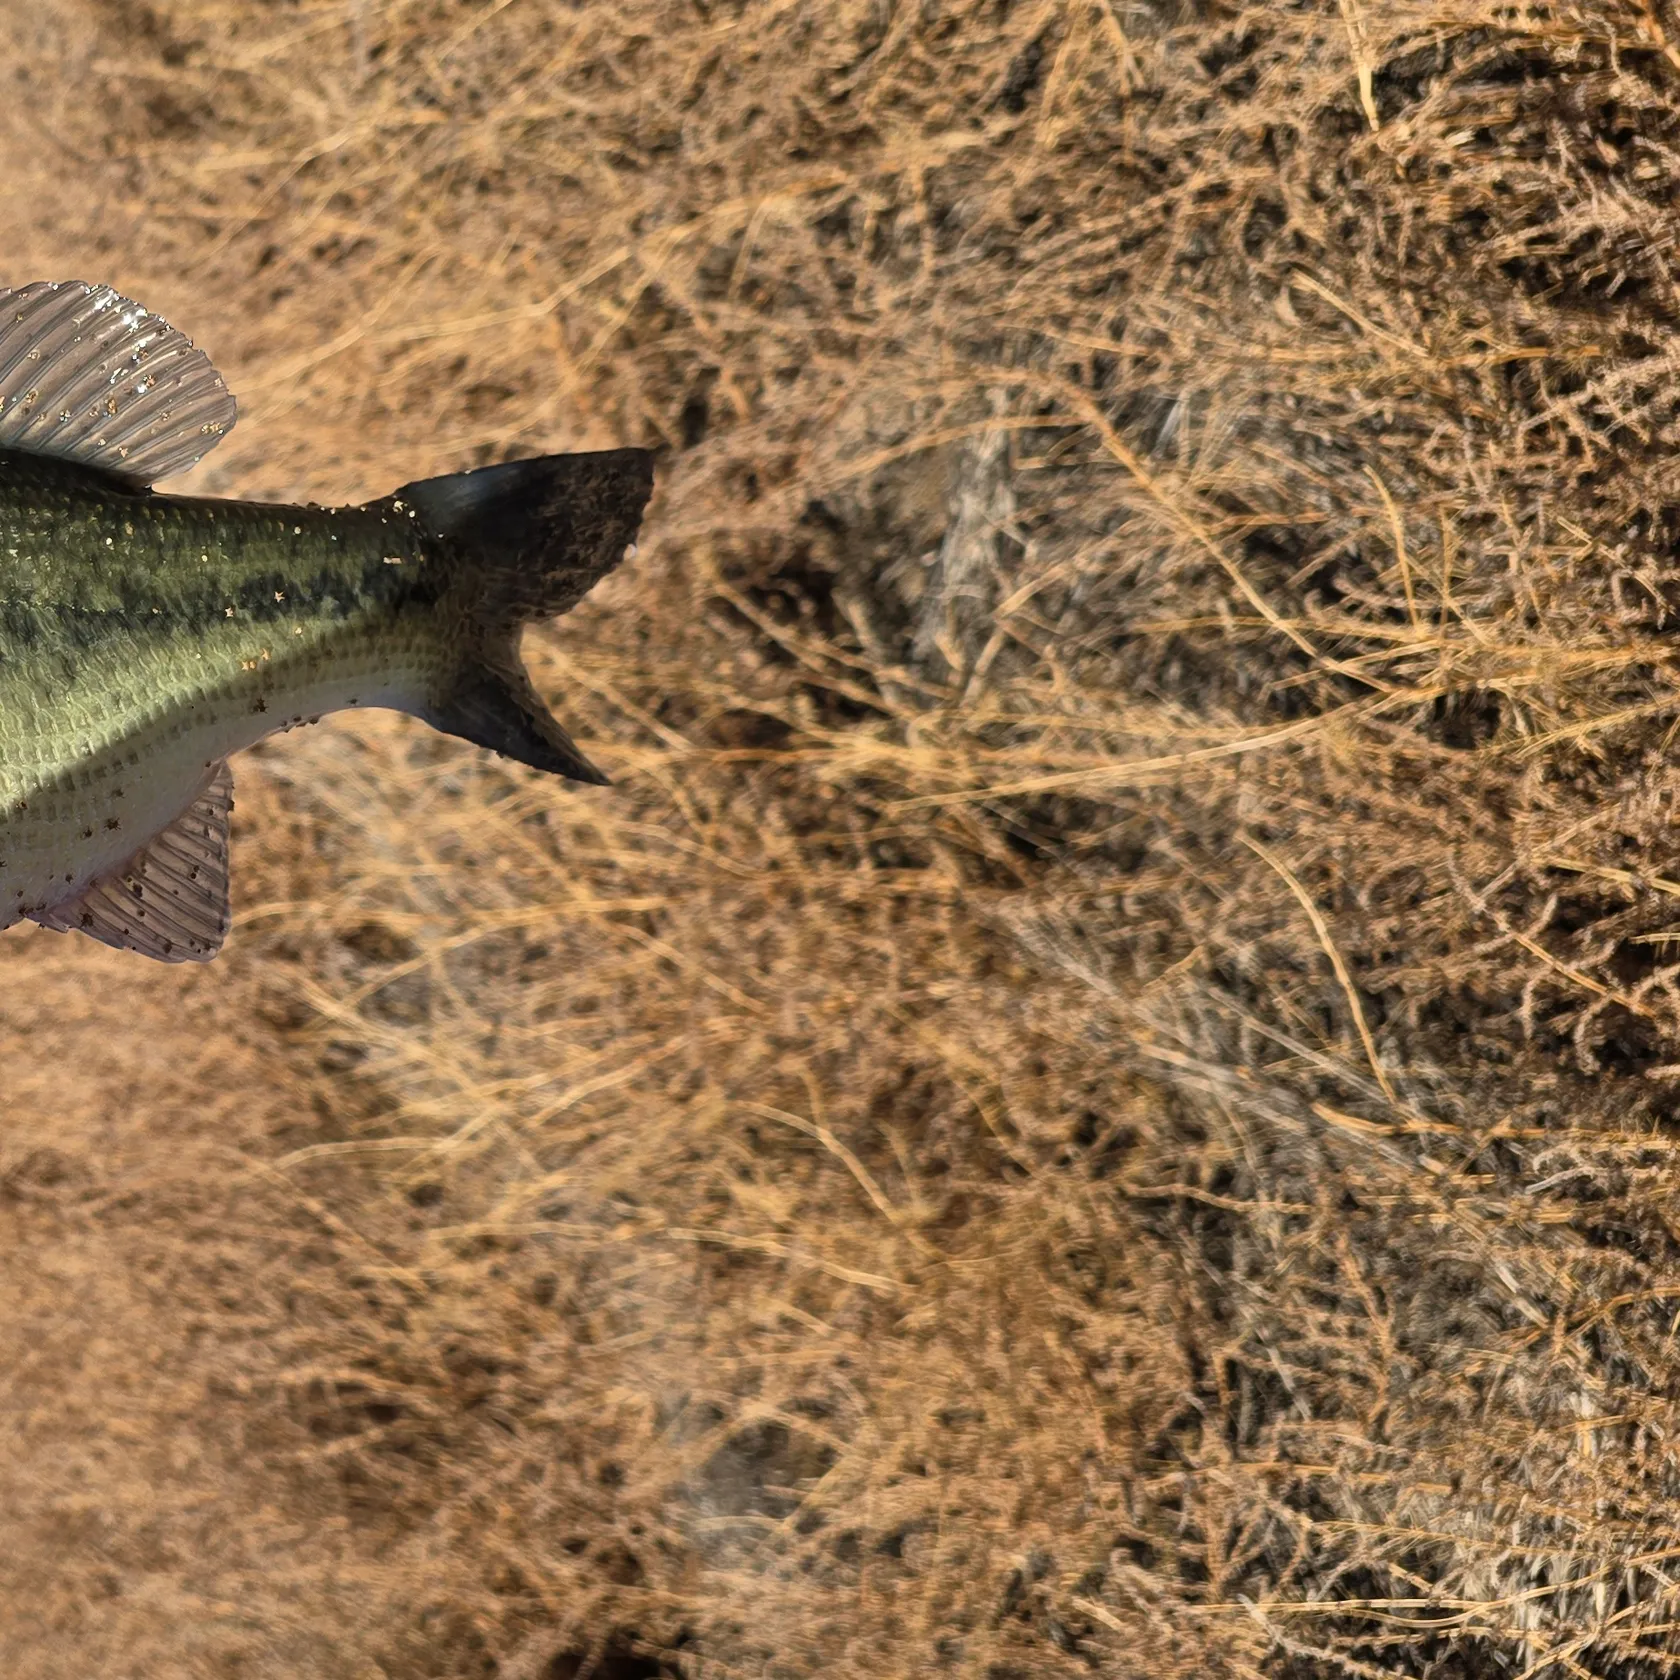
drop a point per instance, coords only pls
(1098, 1096)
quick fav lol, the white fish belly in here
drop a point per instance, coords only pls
(87, 817)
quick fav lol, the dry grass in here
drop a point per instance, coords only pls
(1099, 1095)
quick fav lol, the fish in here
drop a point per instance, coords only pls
(146, 638)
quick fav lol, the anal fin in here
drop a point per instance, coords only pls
(170, 900)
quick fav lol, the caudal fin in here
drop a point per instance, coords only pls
(517, 543)
(529, 539)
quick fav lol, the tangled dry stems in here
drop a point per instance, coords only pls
(1098, 1096)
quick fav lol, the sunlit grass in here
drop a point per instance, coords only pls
(1095, 1096)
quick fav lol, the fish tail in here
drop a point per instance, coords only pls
(515, 544)
(527, 540)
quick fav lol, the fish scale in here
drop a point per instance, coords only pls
(146, 638)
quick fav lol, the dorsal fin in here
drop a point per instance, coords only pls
(88, 376)
(170, 900)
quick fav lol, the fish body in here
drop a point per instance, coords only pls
(145, 638)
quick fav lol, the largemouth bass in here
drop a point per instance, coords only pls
(145, 638)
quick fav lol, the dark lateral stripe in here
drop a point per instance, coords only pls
(148, 608)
